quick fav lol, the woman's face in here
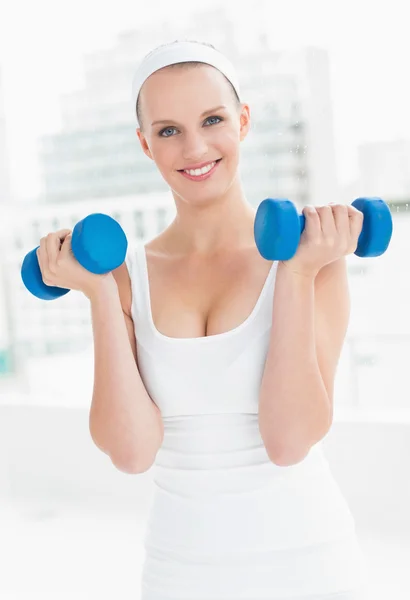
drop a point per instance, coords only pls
(199, 123)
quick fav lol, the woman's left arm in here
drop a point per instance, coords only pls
(309, 325)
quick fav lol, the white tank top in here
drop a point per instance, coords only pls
(207, 389)
(204, 375)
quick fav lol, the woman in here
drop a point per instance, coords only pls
(217, 365)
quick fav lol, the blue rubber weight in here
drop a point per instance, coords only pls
(98, 243)
(32, 279)
(278, 227)
(377, 226)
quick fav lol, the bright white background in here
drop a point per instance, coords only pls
(75, 528)
(42, 44)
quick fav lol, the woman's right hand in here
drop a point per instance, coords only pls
(60, 268)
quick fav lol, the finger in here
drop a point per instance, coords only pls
(65, 236)
(53, 245)
(62, 234)
(356, 218)
(312, 221)
(42, 258)
(341, 218)
(66, 251)
(327, 222)
(42, 254)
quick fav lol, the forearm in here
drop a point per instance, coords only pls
(294, 408)
(123, 421)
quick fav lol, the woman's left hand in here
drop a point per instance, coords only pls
(330, 232)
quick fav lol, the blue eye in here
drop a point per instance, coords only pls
(167, 129)
(171, 128)
(213, 118)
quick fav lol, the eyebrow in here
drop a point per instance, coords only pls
(207, 112)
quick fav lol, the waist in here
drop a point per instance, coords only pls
(259, 507)
(222, 453)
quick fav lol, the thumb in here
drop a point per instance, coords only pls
(62, 234)
(65, 250)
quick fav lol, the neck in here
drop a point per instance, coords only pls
(216, 226)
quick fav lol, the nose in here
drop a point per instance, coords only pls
(195, 147)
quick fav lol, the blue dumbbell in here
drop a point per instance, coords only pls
(98, 243)
(278, 227)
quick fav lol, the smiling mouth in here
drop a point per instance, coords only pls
(216, 161)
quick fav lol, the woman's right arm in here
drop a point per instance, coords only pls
(124, 421)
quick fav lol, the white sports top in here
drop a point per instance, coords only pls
(218, 495)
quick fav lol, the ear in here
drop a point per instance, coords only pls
(245, 121)
(144, 143)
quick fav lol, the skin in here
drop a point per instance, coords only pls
(205, 272)
(205, 263)
(203, 209)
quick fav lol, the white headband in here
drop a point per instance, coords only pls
(181, 52)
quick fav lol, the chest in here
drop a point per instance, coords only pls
(202, 299)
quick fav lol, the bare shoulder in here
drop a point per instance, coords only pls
(160, 245)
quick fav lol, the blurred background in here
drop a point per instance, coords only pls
(327, 85)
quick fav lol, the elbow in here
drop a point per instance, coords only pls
(284, 452)
(290, 452)
(134, 463)
(286, 456)
(130, 465)
(294, 450)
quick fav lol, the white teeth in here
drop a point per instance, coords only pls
(196, 172)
